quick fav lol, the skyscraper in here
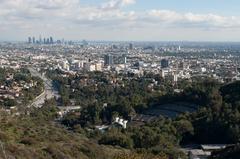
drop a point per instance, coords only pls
(33, 40)
(51, 40)
(85, 43)
(130, 46)
(124, 59)
(108, 60)
(29, 40)
(179, 48)
(164, 63)
(40, 39)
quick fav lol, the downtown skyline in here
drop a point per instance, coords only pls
(121, 20)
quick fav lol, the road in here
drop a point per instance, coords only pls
(48, 93)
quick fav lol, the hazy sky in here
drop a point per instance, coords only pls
(154, 20)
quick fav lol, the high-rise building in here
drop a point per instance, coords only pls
(114, 47)
(40, 39)
(33, 40)
(124, 59)
(51, 40)
(179, 48)
(85, 43)
(164, 63)
(44, 40)
(29, 40)
(108, 60)
(48, 41)
(98, 66)
(130, 46)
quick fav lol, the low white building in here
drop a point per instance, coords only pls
(121, 122)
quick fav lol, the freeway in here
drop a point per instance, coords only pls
(48, 92)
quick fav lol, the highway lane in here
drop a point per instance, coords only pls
(48, 93)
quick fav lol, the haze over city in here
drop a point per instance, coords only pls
(117, 20)
(119, 79)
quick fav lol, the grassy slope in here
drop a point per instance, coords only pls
(28, 137)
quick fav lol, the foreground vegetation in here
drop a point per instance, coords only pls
(216, 122)
(41, 135)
